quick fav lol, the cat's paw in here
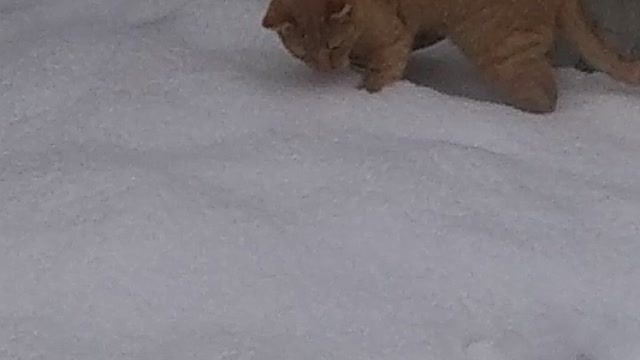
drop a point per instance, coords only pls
(370, 88)
(534, 93)
(373, 83)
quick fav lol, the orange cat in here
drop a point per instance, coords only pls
(507, 40)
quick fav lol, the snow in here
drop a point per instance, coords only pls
(175, 186)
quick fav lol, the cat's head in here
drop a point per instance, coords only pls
(319, 32)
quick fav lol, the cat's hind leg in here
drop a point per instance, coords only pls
(515, 62)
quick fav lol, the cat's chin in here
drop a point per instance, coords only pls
(358, 67)
(344, 63)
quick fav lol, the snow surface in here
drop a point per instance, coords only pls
(173, 185)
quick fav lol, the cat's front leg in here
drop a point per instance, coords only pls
(387, 65)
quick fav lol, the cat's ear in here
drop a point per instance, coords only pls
(276, 16)
(339, 10)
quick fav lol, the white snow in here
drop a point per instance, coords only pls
(173, 185)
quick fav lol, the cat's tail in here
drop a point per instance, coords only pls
(576, 27)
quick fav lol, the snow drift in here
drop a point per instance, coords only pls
(175, 186)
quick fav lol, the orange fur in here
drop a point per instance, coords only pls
(507, 40)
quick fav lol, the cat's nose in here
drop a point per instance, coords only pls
(340, 63)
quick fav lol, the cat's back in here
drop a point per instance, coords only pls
(454, 12)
